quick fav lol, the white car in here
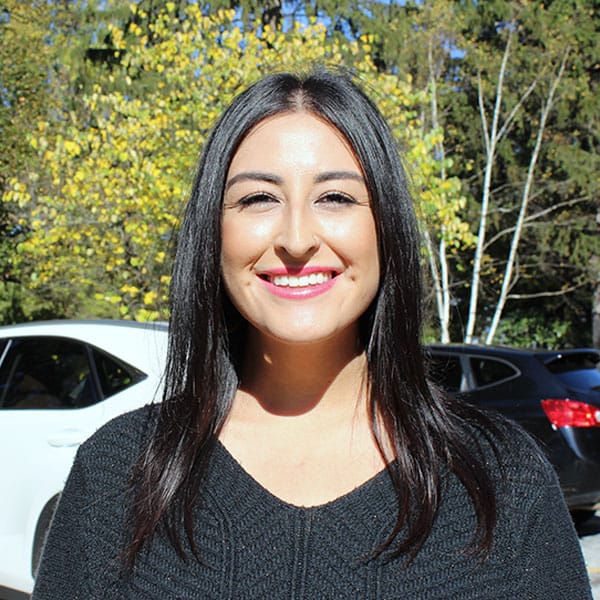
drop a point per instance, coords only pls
(59, 382)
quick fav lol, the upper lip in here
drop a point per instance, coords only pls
(298, 271)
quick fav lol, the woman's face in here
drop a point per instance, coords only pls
(299, 247)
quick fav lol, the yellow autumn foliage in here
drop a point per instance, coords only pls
(106, 200)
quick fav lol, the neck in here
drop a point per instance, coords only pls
(295, 379)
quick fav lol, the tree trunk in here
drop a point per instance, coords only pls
(507, 280)
(442, 280)
(596, 315)
(596, 297)
(491, 135)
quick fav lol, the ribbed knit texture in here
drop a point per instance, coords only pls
(255, 546)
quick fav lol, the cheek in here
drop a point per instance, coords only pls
(366, 240)
(230, 255)
(358, 239)
(366, 256)
(242, 242)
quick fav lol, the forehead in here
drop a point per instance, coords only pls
(294, 139)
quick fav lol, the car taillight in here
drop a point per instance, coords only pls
(571, 413)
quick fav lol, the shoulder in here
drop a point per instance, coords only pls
(519, 457)
(119, 441)
(501, 454)
(86, 534)
(507, 451)
(524, 484)
(522, 477)
(522, 457)
(533, 536)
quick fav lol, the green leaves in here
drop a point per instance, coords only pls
(102, 205)
(105, 107)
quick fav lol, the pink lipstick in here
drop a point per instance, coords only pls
(303, 283)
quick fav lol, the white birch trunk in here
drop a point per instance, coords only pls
(490, 136)
(435, 274)
(442, 277)
(507, 280)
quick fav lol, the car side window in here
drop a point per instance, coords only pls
(114, 375)
(446, 372)
(46, 373)
(487, 371)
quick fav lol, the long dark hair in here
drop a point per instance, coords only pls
(206, 339)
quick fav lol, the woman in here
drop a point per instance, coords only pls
(299, 451)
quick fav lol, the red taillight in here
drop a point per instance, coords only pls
(570, 413)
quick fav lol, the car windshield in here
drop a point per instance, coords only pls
(577, 370)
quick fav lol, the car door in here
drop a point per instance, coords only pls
(49, 404)
(490, 382)
(512, 388)
(446, 371)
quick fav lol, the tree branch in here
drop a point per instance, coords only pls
(560, 292)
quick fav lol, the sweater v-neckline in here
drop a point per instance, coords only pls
(371, 486)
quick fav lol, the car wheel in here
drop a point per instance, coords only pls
(40, 533)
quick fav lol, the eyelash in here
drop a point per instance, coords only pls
(338, 198)
(262, 197)
(256, 198)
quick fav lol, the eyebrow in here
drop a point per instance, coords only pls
(253, 176)
(271, 178)
(331, 175)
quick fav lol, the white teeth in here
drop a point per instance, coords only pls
(302, 281)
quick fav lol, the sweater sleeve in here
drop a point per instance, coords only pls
(64, 567)
(555, 568)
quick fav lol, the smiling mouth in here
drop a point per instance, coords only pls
(295, 281)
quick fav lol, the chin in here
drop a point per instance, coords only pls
(309, 334)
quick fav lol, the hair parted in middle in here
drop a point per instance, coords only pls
(428, 432)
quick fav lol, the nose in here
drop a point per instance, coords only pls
(298, 235)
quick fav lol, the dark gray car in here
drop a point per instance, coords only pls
(554, 395)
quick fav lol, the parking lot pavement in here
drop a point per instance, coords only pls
(589, 536)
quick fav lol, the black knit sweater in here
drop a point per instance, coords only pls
(255, 546)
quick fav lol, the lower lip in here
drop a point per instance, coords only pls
(299, 293)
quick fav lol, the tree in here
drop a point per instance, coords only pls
(532, 189)
(525, 62)
(25, 61)
(103, 203)
(429, 40)
(435, 67)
